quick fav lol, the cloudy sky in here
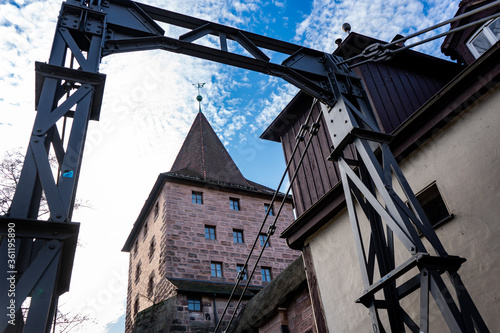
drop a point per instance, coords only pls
(149, 105)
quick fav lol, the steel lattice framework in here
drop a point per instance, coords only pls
(70, 86)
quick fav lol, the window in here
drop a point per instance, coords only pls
(194, 304)
(136, 305)
(234, 204)
(262, 238)
(138, 272)
(486, 36)
(145, 229)
(238, 236)
(241, 267)
(209, 232)
(266, 274)
(197, 198)
(433, 205)
(216, 269)
(150, 286)
(152, 248)
(269, 208)
(156, 210)
(136, 248)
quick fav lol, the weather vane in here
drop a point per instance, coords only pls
(199, 98)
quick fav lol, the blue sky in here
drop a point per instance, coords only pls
(149, 105)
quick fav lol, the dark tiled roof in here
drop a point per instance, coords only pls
(203, 155)
(208, 287)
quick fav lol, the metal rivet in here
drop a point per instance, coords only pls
(52, 246)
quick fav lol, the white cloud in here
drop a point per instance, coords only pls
(375, 18)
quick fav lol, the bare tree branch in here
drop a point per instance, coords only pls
(10, 172)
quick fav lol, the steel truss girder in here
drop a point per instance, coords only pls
(43, 275)
(368, 184)
(303, 68)
(69, 93)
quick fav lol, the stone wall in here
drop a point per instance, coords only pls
(283, 306)
(188, 254)
(173, 316)
(181, 250)
(150, 258)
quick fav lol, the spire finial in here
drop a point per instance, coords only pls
(199, 98)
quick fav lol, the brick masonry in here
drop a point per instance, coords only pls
(173, 244)
(296, 316)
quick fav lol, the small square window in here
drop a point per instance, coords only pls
(156, 210)
(238, 236)
(216, 269)
(262, 238)
(209, 232)
(197, 198)
(266, 274)
(485, 37)
(138, 272)
(145, 230)
(234, 204)
(269, 208)
(241, 267)
(150, 286)
(194, 304)
(136, 248)
(152, 246)
(433, 205)
(136, 305)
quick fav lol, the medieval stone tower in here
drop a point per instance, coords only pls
(193, 235)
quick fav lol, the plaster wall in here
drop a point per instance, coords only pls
(463, 159)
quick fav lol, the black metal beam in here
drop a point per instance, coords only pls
(192, 23)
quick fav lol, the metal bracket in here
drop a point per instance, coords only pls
(70, 77)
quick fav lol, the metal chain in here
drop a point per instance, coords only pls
(313, 130)
(381, 52)
(299, 138)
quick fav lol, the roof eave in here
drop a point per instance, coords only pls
(420, 126)
(155, 191)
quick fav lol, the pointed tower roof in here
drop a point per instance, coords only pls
(204, 157)
(201, 159)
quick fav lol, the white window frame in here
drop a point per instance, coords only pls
(486, 31)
